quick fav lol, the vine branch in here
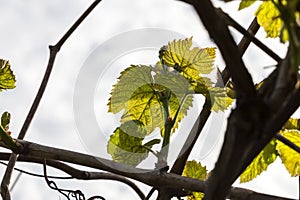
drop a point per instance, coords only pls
(32, 151)
(53, 52)
(219, 32)
(205, 113)
(73, 172)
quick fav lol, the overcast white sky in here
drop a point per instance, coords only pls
(27, 28)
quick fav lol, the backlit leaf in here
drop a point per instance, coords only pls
(189, 62)
(220, 100)
(260, 163)
(179, 87)
(246, 3)
(188, 103)
(292, 124)
(194, 169)
(290, 158)
(138, 94)
(135, 95)
(7, 78)
(125, 144)
(268, 17)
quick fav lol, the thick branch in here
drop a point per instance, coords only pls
(205, 113)
(156, 179)
(231, 22)
(291, 104)
(219, 32)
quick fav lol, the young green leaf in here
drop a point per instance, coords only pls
(135, 94)
(292, 124)
(201, 85)
(268, 17)
(187, 104)
(7, 78)
(267, 156)
(125, 144)
(139, 94)
(246, 4)
(219, 99)
(290, 158)
(179, 88)
(189, 62)
(194, 169)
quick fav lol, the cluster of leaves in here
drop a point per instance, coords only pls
(194, 169)
(151, 96)
(7, 81)
(142, 92)
(277, 17)
(289, 157)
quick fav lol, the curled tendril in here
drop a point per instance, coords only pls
(76, 194)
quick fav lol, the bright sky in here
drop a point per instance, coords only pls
(27, 30)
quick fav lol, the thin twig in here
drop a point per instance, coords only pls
(53, 185)
(7, 177)
(150, 193)
(231, 22)
(194, 134)
(33, 174)
(53, 51)
(16, 180)
(219, 32)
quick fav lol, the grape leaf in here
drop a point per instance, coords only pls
(189, 62)
(201, 85)
(246, 4)
(268, 17)
(289, 157)
(135, 94)
(179, 87)
(292, 124)
(138, 94)
(267, 156)
(7, 78)
(220, 100)
(125, 144)
(187, 104)
(193, 169)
